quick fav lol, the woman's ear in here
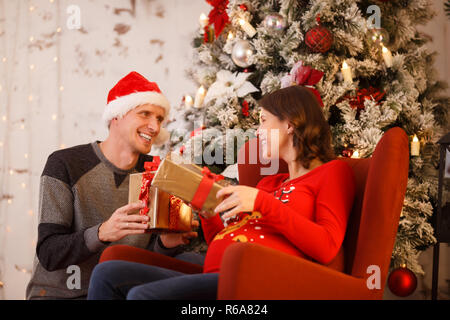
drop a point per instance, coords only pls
(290, 128)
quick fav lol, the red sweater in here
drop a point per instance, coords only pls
(305, 217)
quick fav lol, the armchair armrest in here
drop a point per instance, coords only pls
(253, 272)
(133, 254)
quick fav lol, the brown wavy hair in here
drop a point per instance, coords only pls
(312, 134)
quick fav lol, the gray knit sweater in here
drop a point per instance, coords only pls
(79, 190)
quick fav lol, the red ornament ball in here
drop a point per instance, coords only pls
(402, 282)
(319, 39)
(347, 153)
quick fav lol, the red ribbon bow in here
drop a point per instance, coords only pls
(204, 187)
(152, 165)
(308, 77)
(218, 15)
(357, 102)
(304, 76)
(216, 177)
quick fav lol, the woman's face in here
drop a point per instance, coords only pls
(273, 135)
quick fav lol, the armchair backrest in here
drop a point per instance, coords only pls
(380, 189)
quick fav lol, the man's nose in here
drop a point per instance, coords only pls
(154, 125)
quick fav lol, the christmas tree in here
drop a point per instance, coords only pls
(366, 62)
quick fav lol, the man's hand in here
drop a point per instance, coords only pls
(123, 223)
(172, 240)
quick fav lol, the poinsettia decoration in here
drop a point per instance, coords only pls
(218, 15)
(228, 84)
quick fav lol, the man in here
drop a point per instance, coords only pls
(84, 193)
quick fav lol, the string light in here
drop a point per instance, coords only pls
(26, 155)
(24, 270)
(24, 185)
(4, 118)
(55, 59)
(54, 117)
(188, 101)
(355, 155)
(31, 8)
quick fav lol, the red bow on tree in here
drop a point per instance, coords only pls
(218, 15)
(304, 76)
(357, 102)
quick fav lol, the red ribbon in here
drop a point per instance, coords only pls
(147, 177)
(204, 188)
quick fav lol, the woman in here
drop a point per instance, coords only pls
(303, 213)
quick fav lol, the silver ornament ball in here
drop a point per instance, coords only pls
(241, 54)
(274, 22)
(377, 36)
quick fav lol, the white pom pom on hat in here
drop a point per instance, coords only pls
(132, 91)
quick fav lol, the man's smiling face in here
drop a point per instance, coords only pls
(140, 126)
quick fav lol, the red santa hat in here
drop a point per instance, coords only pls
(132, 91)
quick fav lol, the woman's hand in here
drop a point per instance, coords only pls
(240, 199)
(172, 240)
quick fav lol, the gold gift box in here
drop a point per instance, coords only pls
(160, 205)
(182, 180)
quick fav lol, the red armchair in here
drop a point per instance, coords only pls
(251, 271)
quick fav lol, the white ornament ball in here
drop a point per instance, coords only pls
(274, 22)
(241, 54)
